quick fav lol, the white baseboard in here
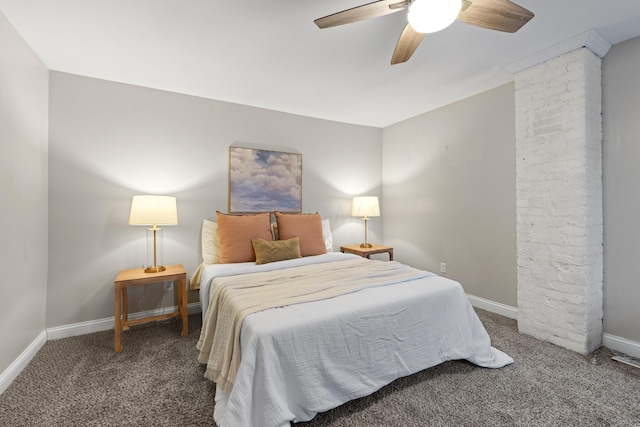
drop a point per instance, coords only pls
(621, 345)
(108, 322)
(494, 307)
(72, 330)
(19, 364)
(615, 343)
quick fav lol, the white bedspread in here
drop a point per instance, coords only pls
(308, 358)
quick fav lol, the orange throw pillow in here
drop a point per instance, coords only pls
(308, 227)
(236, 232)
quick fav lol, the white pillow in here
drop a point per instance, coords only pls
(326, 235)
(210, 242)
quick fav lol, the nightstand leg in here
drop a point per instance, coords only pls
(125, 308)
(118, 320)
(182, 304)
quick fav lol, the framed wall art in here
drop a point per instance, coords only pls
(264, 180)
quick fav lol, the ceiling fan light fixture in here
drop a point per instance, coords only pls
(430, 16)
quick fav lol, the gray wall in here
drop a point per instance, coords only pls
(449, 192)
(110, 141)
(621, 191)
(23, 194)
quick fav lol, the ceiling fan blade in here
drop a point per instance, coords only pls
(360, 13)
(500, 15)
(407, 44)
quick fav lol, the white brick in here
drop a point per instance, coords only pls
(559, 200)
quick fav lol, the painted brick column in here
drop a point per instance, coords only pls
(559, 200)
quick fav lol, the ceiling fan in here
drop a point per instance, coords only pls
(500, 15)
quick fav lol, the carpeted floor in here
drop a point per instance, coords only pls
(156, 381)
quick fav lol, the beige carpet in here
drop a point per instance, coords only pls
(156, 381)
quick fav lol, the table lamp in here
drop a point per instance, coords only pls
(365, 206)
(153, 211)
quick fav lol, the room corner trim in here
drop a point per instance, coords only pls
(21, 362)
(589, 39)
(494, 307)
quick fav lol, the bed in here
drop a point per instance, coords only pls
(300, 359)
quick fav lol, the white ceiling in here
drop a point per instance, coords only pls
(270, 54)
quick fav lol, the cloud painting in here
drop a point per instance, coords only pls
(262, 181)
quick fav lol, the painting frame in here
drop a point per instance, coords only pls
(263, 180)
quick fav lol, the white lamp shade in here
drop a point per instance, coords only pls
(153, 210)
(429, 16)
(365, 206)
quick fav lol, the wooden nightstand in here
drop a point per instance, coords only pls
(137, 276)
(366, 252)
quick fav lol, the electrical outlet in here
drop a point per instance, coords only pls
(168, 286)
(443, 267)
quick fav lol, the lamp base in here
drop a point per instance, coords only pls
(155, 269)
(366, 245)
